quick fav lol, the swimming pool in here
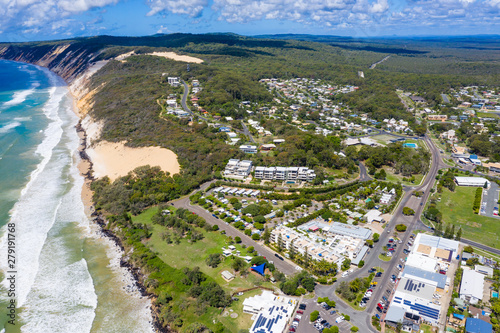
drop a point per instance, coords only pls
(410, 145)
(494, 294)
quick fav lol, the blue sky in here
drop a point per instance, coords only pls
(25, 20)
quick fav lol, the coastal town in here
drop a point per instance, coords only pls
(237, 196)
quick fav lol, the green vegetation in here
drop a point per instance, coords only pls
(383, 257)
(408, 211)
(458, 214)
(401, 228)
(314, 315)
(352, 291)
(477, 200)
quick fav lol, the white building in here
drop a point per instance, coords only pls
(472, 181)
(472, 286)
(248, 149)
(237, 169)
(173, 81)
(271, 312)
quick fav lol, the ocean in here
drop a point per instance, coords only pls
(61, 273)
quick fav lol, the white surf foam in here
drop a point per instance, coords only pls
(62, 298)
(34, 212)
(21, 95)
(9, 126)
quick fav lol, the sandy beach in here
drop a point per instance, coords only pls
(116, 160)
(168, 55)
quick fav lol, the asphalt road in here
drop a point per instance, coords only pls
(285, 266)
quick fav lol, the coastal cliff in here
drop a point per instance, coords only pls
(66, 59)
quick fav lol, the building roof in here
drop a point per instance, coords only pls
(438, 242)
(395, 314)
(472, 284)
(475, 325)
(419, 274)
(416, 288)
(471, 181)
(353, 231)
(361, 254)
(421, 261)
(484, 270)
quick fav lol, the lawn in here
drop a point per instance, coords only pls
(456, 208)
(426, 328)
(392, 177)
(186, 254)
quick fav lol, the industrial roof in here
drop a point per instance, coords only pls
(395, 314)
(419, 274)
(438, 242)
(416, 288)
(471, 181)
(472, 284)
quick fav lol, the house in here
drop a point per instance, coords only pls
(488, 271)
(173, 81)
(439, 117)
(472, 286)
(475, 325)
(374, 215)
(248, 149)
(417, 99)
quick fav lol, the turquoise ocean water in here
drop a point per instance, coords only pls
(66, 277)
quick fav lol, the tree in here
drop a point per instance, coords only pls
(258, 226)
(213, 260)
(255, 237)
(369, 242)
(237, 239)
(361, 264)
(401, 227)
(215, 227)
(314, 315)
(469, 249)
(266, 235)
(376, 237)
(354, 329)
(238, 264)
(346, 264)
(408, 211)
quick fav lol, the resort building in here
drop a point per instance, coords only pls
(283, 173)
(237, 169)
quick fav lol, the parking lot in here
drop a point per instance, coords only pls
(490, 201)
(311, 305)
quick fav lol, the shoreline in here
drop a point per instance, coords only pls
(85, 166)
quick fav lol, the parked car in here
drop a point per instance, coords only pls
(379, 274)
(302, 306)
(300, 311)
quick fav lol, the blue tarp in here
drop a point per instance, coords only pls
(458, 316)
(259, 269)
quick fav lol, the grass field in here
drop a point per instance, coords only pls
(188, 254)
(392, 177)
(426, 328)
(456, 208)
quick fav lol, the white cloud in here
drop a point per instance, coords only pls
(50, 16)
(191, 8)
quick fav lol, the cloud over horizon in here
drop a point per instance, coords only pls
(46, 18)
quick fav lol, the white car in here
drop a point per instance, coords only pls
(339, 319)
